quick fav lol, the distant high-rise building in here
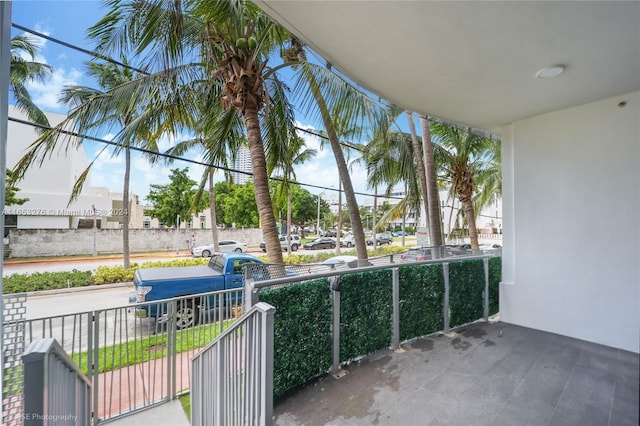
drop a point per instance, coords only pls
(242, 163)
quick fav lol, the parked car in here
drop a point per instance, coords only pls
(330, 233)
(415, 254)
(381, 238)
(320, 243)
(226, 246)
(295, 243)
(457, 250)
(490, 247)
(342, 261)
(347, 241)
(399, 233)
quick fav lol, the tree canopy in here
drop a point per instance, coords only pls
(174, 200)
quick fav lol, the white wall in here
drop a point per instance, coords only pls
(571, 222)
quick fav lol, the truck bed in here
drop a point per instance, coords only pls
(165, 274)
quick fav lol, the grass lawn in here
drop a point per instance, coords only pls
(149, 348)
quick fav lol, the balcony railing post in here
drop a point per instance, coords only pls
(395, 283)
(172, 308)
(335, 329)
(94, 363)
(267, 365)
(445, 310)
(486, 288)
(250, 295)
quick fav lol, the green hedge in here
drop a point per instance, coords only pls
(37, 281)
(365, 313)
(302, 333)
(421, 297)
(466, 285)
(495, 276)
(19, 283)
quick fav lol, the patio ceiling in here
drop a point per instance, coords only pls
(474, 63)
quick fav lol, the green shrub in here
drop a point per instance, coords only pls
(495, 276)
(19, 283)
(466, 285)
(365, 313)
(422, 294)
(302, 333)
(114, 274)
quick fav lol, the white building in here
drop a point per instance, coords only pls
(243, 164)
(49, 186)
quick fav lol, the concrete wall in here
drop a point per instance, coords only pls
(63, 242)
(571, 231)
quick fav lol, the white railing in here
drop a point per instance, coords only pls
(232, 378)
(139, 355)
(56, 392)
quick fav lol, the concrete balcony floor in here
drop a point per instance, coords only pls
(484, 374)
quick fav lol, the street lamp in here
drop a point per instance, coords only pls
(318, 223)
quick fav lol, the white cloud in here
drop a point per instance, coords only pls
(45, 94)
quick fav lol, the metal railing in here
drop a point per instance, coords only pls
(136, 356)
(55, 390)
(232, 378)
(258, 277)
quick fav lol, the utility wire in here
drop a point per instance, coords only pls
(170, 156)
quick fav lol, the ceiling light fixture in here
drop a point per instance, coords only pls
(550, 72)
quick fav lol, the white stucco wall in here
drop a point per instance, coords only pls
(65, 242)
(571, 222)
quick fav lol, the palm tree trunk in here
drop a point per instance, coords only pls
(374, 218)
(125, 208)
(404, 215)
(343, 172)
(212, 211)
(417, 152)
(261, 187)
(338, 234)
(435, 222)
(289, 221)
(471, 223)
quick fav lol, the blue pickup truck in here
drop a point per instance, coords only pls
(223, 272)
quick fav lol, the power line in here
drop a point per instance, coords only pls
(169, 156)
(79, 49)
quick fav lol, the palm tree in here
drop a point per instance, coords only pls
(328, 92)
(420, 167)
(462, 156)
(121, 105)
(223, 135)
(24, 69)
(435, 221)
(293, 154)
(234, 40)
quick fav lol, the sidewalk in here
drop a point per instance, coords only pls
(167, 414)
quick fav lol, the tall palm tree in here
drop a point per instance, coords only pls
(420, 167)
(222, 136)
(327, 93)
(293, 154)
(462, 156)
(23, 69)
(122, 104)
(435, 221)
(233, 40)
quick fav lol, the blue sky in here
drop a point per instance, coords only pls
(68, 21)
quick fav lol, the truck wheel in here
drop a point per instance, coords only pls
(294, 247)
(206, 253)
(187, 314)
(238, 250)
(349, 244)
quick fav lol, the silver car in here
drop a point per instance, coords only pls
(225, 246)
